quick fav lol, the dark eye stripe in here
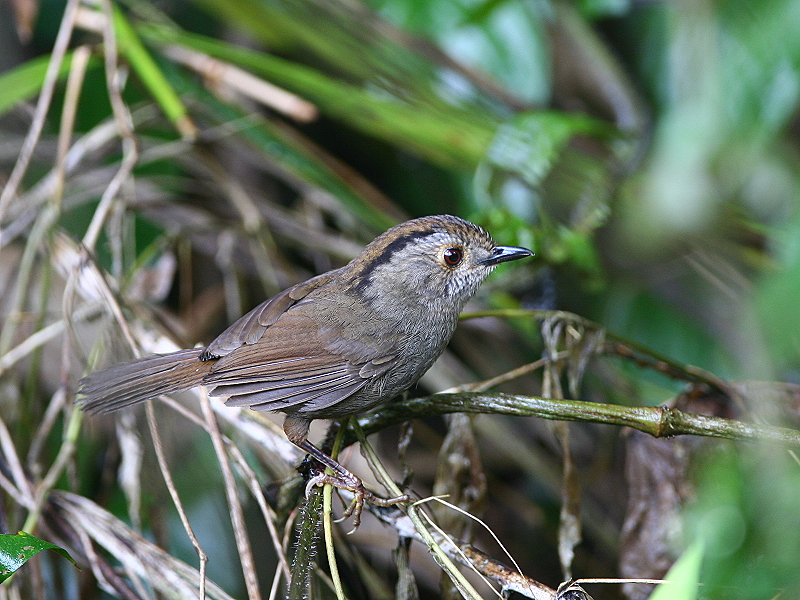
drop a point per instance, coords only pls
(386, 254)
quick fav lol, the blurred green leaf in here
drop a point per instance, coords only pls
(16, 550)
(603, 8)
(645, 317)
(152, 77)
(683, 577)
(25, 81)
(523, 155)
(346, 37)
(506, 39)
(776, 300)
(529, 144)
(449, 137)
(777, 304)
(745, 513)
(761, 70)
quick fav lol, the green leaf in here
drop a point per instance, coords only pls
(15, 550)
(529, 144)
(683, 577)
(152, 77)
(524, 153)
(25, 81)
(447, 135)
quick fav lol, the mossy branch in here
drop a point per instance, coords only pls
(658, 421)
(306, 547)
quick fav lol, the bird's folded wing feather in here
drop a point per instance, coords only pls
(292, 366)
(249, 329)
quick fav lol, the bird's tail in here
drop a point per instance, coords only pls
(141, 379)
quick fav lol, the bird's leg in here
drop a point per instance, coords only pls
(345, 480)
(329, 441)
(296, 428)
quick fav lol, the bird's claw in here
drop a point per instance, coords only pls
(361, 494)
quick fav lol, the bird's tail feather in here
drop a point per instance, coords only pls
(141, 379)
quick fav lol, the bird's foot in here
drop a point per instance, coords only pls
(361, 494)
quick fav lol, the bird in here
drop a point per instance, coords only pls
(333, 346)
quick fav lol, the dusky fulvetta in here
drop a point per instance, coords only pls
(333, 346)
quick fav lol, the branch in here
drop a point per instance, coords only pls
(657, 421)
(509, 580)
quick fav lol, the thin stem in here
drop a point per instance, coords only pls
(124, 123)
(65, 453)
(77, 73)
(40, 114)
(305, 548)
(618, 345)
(173, 492)
(235, 506)
(327, 496)
(458, 579)
(482, 386)
(245, 471)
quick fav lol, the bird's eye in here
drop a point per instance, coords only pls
(453, 256)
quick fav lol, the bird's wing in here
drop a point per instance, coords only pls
(249, 329)
(294, 365)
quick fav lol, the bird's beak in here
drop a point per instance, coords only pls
(503, 254)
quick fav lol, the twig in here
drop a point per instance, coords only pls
(477, 520)
(441, 557)
(176, 499)
(508, 579)
(458, 551)
(218, 72)
(234, 504)
(125, 127)
(619, 345)
(40, 114)
(482, 386)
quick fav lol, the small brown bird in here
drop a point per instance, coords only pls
(333, 346)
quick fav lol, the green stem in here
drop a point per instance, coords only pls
(65, 453)
(327, 495)
(658, 421)
(304, 552)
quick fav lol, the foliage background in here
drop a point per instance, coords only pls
(647, 151)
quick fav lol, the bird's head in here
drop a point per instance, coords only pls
(437, 259)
